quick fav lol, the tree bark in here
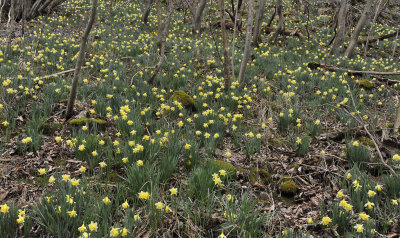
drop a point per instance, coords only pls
(146, 12)
(341, 25)
(196, 25)
(359, 27)
(224, 46)
(79, 62)
(246, 52)
(281, 21)
(162, 45)
(258, 22)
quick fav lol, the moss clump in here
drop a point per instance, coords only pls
(389, 125)
(366, 84)
(261, 176)
(228, 167)
(59, 161)
(366, 141)
(288, 187)
(63, 101)
(50, 129)
(114, 177)
(185, 99)
(82, 121)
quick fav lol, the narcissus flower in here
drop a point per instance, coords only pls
(106, 200)
(159, 205)
(42, 171)
(114, 232)
(396, 157)
(326, 220)
(72, 213)
(144, 195)
(125, 205)
(4, 208)
(359, 228)
(173, 191)
(363, 216)
(93, 226)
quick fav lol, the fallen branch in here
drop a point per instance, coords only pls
(60, 73)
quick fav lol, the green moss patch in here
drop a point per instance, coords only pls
(288, 187)
(184, 99)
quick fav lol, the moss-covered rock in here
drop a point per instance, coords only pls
(365, 83)
(261, 176)
(366, 141)
(288, 187)
(50, 128)
(184, 99)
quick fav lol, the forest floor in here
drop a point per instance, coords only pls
(303, 148)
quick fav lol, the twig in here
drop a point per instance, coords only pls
(371, 137)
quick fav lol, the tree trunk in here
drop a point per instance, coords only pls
(258, 22)
(163, 39)
(359, 27)
(146, 12)
(341, 25)
(79, 62)
(196, 25)
(372, 27)
(224, 46)
(281, 21)
(247, 43)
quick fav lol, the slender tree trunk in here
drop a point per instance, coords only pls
(10, 29)
(233, 40)
(341, 25)
(359, 27)
(372, 27)
(196, 25)
(146, 12)
(395, 43)
(246, 52)
(224, 46)
(159, 23)
(162, 44)
(79, 62)
(281, 21)
(258, 22)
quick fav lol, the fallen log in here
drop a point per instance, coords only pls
(295, 32)
(315, 65)
(364, 41)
